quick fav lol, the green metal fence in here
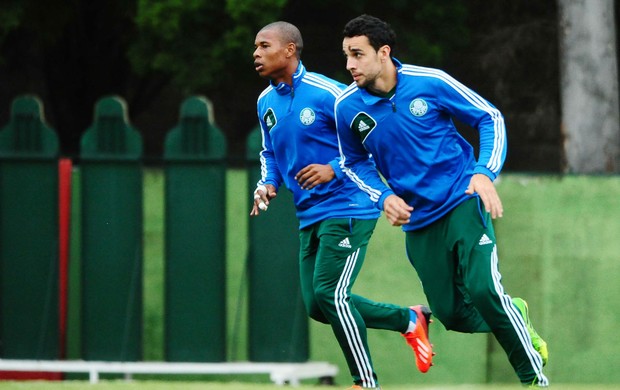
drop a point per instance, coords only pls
(195, 241)
(29, 320)
(110, 259)
(111, 241)
(277, 317)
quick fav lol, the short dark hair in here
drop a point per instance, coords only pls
(378, 32)
(289, 33)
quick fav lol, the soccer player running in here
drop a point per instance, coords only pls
(336, 219)
(443, 197)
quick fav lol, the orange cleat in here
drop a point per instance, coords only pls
(418, 339)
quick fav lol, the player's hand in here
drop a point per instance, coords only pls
(397, 210)
(484, 187)
(262, 194)
(314, 174)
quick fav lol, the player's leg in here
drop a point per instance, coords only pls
(481, 276)
(412, 323)
(339, 259)
(308, 247)
(376, 315)
(380, 315)
(436, 263)
(539, 344)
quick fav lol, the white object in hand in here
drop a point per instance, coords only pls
(261, 204)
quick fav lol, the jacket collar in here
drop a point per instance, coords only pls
(285, 89)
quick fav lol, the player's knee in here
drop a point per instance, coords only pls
(450, 320)
(465, 322)
(314, 310)
(324, 298)
(447, 319)
(483, 297)
(317, 315)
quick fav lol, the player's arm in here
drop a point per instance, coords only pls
(484, 187)
(262, 195)
(314, 174)
(357, 164)
(271, 178)
(477, 112)
(471, 108)
(397, 211)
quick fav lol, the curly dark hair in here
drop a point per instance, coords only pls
(378, 32)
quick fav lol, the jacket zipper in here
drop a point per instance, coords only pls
(290, 106)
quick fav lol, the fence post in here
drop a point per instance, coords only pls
(29, 317)
(195, 241)
(111, 196)
(277, 317)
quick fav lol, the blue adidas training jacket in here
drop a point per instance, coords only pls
(298, 129)
(414, 142)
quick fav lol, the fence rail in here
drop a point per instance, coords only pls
(279, 373)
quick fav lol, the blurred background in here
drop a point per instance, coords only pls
(549, 66)
(156, 53)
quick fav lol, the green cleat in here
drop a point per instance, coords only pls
(539, 344)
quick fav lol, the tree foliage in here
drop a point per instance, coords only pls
(196, 41)
(73, 53)
(155, 53)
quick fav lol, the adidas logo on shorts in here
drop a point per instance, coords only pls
(345, 243)
(485, 240)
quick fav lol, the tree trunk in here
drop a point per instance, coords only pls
(589, 86)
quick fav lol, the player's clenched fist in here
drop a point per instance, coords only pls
(396, 210)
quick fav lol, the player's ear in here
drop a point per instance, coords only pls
(384, 52)
(291, 49)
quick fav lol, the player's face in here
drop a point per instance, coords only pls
(270, 55)
(364, 63)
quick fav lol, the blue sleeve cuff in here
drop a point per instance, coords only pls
(485, 171)
(272, 182)
(382, 199)
(335, 164)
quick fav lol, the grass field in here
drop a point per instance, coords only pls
(172, 385)
(558, 249)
